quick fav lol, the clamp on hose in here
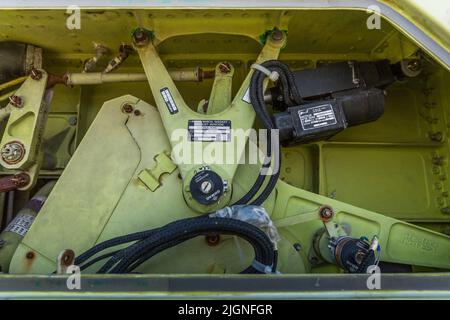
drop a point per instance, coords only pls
(272, 75)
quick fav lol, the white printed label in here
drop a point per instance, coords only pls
(209, 130)
(20, 224)
(168, 99)
(317, 117)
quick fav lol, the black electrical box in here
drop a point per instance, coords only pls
(322, 119)
(312, 121)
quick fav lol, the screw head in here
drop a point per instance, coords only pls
(36, 74)
(206, 186)
(414, 65)
(127, 108)
(277, 35)
(16, 101)
(326, 213)
(212, 239)
(225, 67)
(73, 121)
(140, 36)
(12, 152)
(21, 179)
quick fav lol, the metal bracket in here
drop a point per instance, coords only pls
(401, 242)
(176, 114)
(22, 137)
(220, 97)
(151, 178)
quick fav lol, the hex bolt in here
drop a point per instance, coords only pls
(36, 74)
(326, 213)
(16, 101)
(127, 108)
(277, 35)
(12, 152)
(225, 67)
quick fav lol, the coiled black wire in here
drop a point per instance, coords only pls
(149, 243)
(291, 97)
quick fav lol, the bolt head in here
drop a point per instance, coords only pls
(21, 179)
(127, 108)
(277, 35)
(73, 121)
(225, 67)
(326, 213)
(36, 74)
(16, 101)
(12, 152)
(414, 65)
(206, 186)
(212, 239)
(140, 36)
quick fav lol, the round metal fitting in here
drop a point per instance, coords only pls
(36, 74)
(277, 35)
(326, 213)
(21, 180)
(206, 187)
(127, 108)
(212, 239)
(411, 68)
(140, 36)
(225, 67)
(12, 152)
(16, 101)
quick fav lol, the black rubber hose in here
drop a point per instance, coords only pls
(114, 242)
(97, 259)
(194, 228)
(111, 243)
(172, 234)
(287, 82)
